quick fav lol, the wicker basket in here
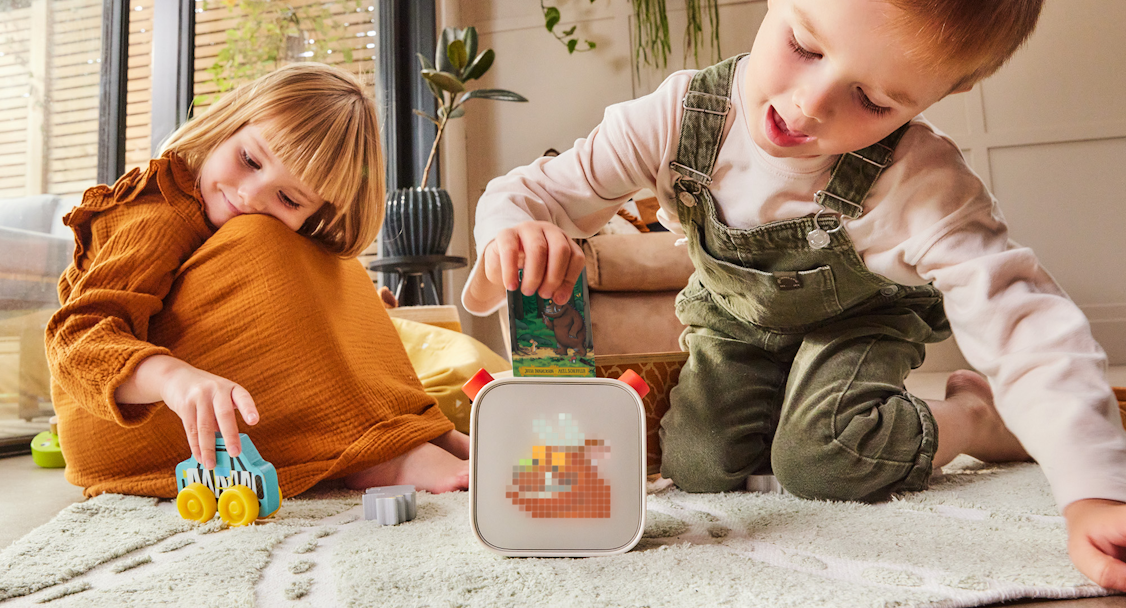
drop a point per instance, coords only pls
(661, 371)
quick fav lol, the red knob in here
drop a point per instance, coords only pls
(635, 382)
(476, 383)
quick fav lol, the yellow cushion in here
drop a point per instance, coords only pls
(444, 360)
(442, 315)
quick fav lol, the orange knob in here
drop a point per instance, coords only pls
(476, 383)
(635, 382)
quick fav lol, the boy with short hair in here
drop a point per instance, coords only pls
(834, 232)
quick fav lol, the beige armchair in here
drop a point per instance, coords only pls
(633, 281)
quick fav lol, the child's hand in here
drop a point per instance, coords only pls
(204, 402)
(1096, 531)
(550, 259)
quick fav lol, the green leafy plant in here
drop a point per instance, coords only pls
(270, 33)
(652, 40)
(456, 62)
(551, 17)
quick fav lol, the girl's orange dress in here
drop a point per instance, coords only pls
(302, 330)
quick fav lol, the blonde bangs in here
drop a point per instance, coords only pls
(331, 145)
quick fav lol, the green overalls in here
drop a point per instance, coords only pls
(798, 352)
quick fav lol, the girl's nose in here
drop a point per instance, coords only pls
(253, 198)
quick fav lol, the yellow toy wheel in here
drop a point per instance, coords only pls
(196, 502)
(238, 505)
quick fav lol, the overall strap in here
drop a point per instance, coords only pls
(706, 106)
(853, 175)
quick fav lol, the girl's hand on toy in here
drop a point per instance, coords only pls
(551, 261)
(205, 403)
(1096, 540)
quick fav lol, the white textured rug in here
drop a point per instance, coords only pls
(980, 535)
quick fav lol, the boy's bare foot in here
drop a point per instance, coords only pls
(426, 467)
(968, 423)
(454, 442)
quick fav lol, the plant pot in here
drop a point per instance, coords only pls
(418, 221)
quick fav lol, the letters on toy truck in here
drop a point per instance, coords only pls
(217, 481)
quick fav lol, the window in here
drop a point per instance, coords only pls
(239, 40)
(50, 59)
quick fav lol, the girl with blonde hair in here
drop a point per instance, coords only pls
(222, 278)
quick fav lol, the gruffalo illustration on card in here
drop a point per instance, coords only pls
(550, 339)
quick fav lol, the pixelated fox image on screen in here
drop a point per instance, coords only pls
(561, 479)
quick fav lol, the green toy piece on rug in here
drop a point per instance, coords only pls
(45, 449)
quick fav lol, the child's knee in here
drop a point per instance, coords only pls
(810, 473)
(830, 472)
(258, 234)
(862, 448)
(255, 264)
(251, 244)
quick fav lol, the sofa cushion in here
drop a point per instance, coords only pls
(634, 322)
(30, 265)
(31, 213)
(636, 262)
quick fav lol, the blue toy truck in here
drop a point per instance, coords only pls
(242, 489)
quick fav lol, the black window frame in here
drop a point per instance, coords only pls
(111, 99)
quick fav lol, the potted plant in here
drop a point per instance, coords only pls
(419, 220)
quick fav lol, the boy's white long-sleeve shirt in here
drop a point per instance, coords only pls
(929, 218)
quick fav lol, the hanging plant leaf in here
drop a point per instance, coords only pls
(427, 116)
(444, 80)
(424, 62)
(497, 94)
(651, 38)
(480, 65)
(457, 55)
(551, 17)
(470, 42)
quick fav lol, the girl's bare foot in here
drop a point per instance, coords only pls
(454, 442)
(968, 423)
(426, 467)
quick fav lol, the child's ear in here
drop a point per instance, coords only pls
(962, 87)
